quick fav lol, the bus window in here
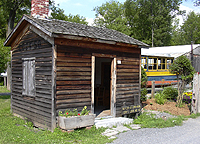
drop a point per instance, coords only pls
(163, 63)
(144, 63)
(169, 62)
(159, 63)
(152, 63)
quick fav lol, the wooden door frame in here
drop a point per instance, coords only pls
(112, 85)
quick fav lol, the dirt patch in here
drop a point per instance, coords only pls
(168, 106)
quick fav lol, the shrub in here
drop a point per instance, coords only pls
(143, 85)
(143, 94)
(170, 93)
(160, 98)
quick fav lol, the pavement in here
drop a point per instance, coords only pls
(188, 133)
(115, 125)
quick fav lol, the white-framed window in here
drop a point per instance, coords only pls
(28, 69)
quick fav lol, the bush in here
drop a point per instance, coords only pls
(170, 93)
(160, 98)
(143, 85)
(143, 94)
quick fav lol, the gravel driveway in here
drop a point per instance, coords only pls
(188, 133)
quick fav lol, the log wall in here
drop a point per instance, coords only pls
(127, 85)
(36, 109)
(73, 80)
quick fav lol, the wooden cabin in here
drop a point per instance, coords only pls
(58, 65)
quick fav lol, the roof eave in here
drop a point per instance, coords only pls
(25, 18)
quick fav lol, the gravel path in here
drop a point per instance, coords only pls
(188, 133)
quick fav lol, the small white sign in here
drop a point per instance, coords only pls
(119, 62)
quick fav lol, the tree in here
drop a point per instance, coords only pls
(58, 13)
(191, 28)
(143, 85)
(184, 71)
(177, 37)
(111, 15)
(150, 20)
(13, 10)
(4, 56)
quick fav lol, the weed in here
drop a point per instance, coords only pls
(160, 98)
(149, 121)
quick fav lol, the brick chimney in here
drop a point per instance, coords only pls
(40, 8)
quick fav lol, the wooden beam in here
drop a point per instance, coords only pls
(92, 84)
(53, 94)
(100, 46)
(113, 87)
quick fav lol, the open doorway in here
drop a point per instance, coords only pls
(102, 85)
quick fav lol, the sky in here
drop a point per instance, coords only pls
(85, 7)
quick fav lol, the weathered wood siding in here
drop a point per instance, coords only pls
(36, 109)
(127, 82)
(73, 80)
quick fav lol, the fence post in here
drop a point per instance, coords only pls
(195, 105)
(152, 88)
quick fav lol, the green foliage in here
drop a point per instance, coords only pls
(160, 98)
(147, 16)
(144, 78)
(149, 121)
(58, 13)
(184, 71)
(4, 90)
(16, 130)
(182, 68)
(111, 15)
(143, 94)
(191, 28)
(4, 56)
(170, 93)
(143, 85)
(69, 113)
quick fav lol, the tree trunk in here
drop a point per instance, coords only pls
(11, 22)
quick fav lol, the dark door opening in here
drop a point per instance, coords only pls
(102, 86)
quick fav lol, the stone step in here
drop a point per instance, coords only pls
(110, 122)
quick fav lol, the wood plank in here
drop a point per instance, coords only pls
(127, 85)
(73, 92)
(127, 96)
(127, 66)
(72, 87)
(92, 84)
(79, 100)
(126, 92)
(64, 78)
(93, 45)
(73, 73)
(128, 74)
(73, 96)
(72, 59)
(72, 105)
(75, 69)
(18, 98)
(37, 107)
(72, 82)
(73, 64)
(30, 109)
(127, 70)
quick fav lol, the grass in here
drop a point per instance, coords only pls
(16, 130)
(3, 89)
(147, 120)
